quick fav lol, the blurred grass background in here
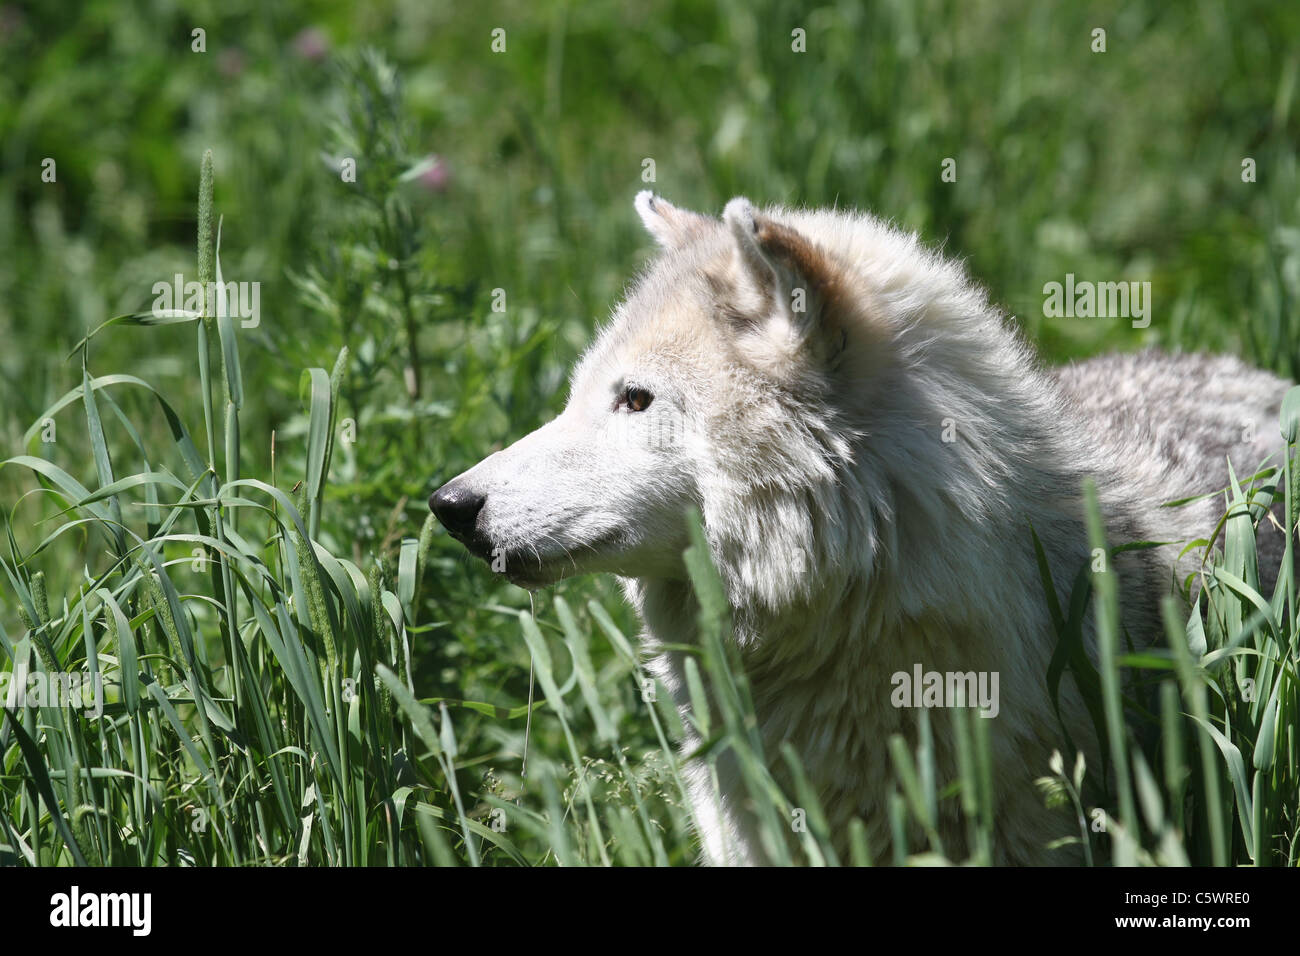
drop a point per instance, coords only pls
(1125, 164)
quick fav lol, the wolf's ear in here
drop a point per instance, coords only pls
(671, 227)
(795, 278)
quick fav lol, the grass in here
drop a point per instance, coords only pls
(227, 524)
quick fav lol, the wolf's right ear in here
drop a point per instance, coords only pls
(671, 227)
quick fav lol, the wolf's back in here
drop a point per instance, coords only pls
(1163, 427)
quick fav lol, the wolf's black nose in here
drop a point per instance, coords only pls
(457, 507)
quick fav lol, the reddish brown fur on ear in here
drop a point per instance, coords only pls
(781, 259)
(805, 263)
(796, 275)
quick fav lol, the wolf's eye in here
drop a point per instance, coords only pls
(634, 399)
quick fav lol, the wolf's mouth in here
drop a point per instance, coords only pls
(531, 571)
(531, 568)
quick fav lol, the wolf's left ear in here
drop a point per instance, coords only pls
(795, 277)
(671, 227)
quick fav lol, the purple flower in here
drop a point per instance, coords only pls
(311, 43)
(435, 177)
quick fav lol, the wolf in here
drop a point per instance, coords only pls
(872, 448)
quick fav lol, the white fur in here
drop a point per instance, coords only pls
(853, 541)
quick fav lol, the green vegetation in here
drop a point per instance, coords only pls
(226, 520)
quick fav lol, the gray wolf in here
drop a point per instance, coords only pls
(868, 442)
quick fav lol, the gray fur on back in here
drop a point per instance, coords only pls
(1165, 425)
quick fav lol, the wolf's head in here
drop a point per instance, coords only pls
(742, 375)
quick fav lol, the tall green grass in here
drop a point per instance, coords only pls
(1202, 764)
(173, 425)
(260, 706)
